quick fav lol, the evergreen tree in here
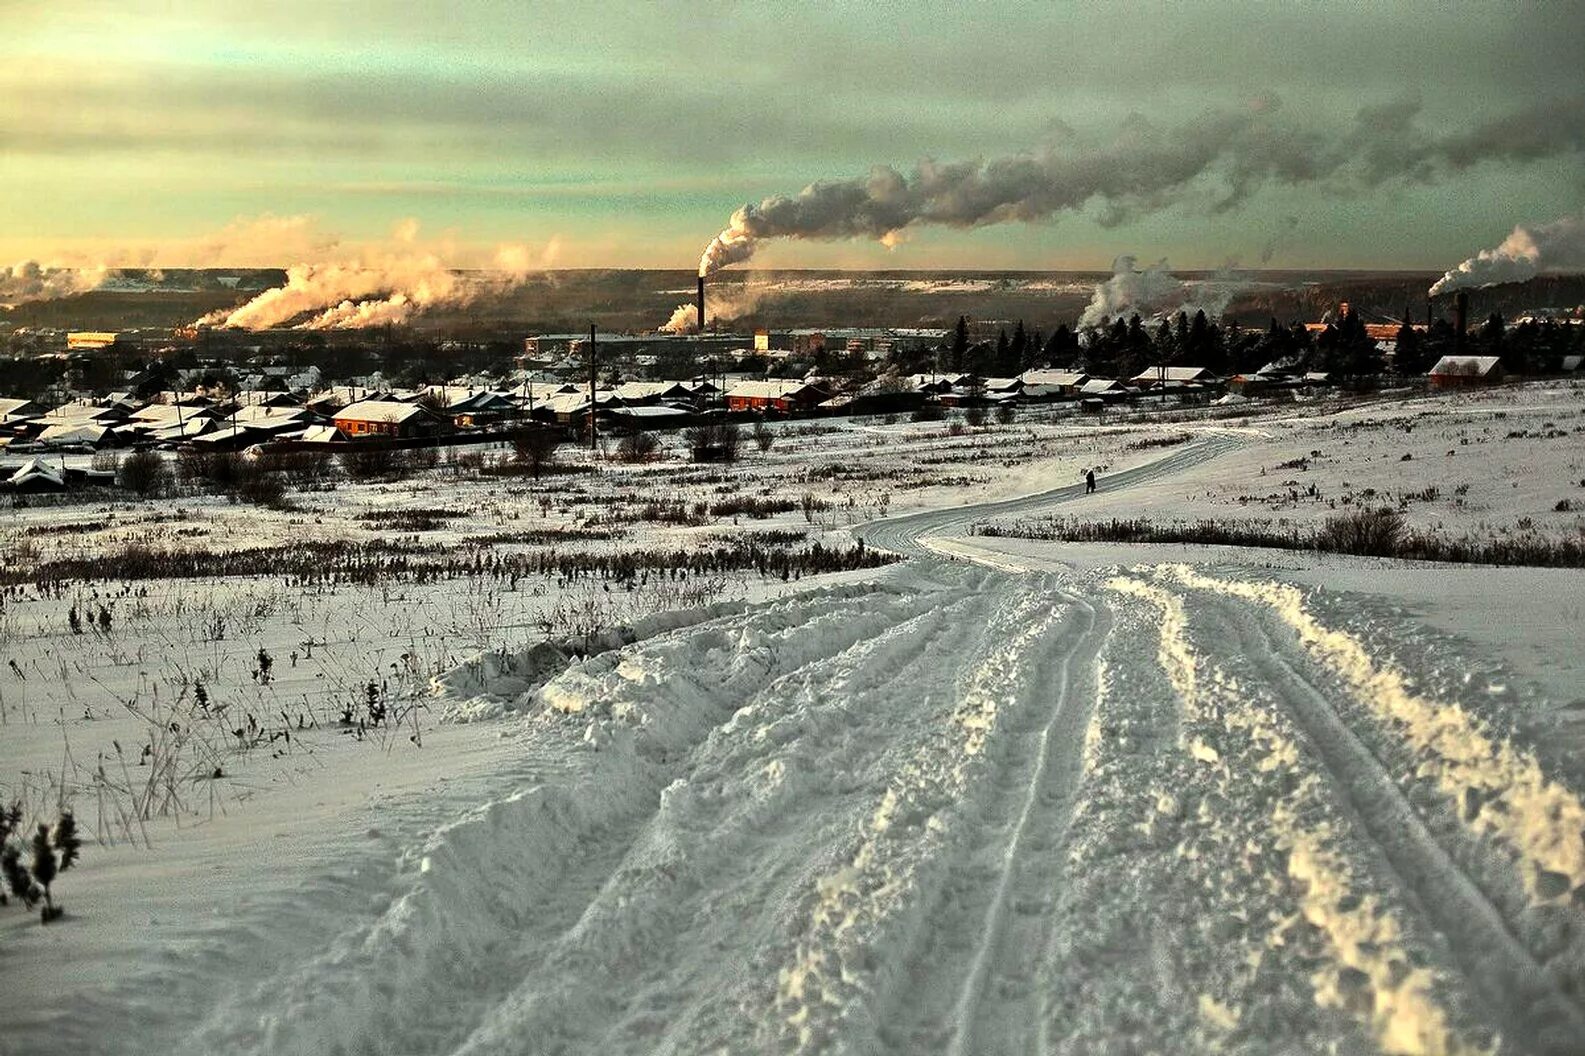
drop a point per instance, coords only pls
(960, 344)
(1017, 350)
(1408, 358)
(16, 875)
(44, 869)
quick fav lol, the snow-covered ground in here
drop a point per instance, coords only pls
(1004, 796)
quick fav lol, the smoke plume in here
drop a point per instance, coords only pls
(1145, 168)
(1524, 254)
(32, 281)
(1154, 292)
(376, 287)
(721, 303)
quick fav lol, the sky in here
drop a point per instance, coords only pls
(625, 135)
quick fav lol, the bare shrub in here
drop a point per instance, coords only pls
(535, 448)
(763, 436)
(1376, 533)
(371, 462)
(637, 447)
(258, 484)
(1006, 413)
(714, 443)
(145, 473)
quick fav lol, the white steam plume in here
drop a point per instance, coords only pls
(1146, 168)
(376, 287)
(1524, 254)
(32, 281)
(1154, 291)
(721, 303)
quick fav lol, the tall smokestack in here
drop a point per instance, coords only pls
(1460, 318)
(701, 304)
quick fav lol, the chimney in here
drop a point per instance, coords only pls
(1460, 318)
(701, 304)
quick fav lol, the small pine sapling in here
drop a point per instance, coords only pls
(266, 661)
(16, 875)
(67, 843)
(375, 704)
(45, 865)
(10, 821)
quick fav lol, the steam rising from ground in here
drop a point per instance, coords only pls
(1154, 291)
(1524, 254)
(32, 281)
(1146, 168)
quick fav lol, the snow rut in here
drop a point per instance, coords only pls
(490, 896)
(1530, 1004)
(974, 974)
(1389, 876)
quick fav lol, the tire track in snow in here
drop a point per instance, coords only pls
(1527, 1001)
(1279, 808)
(588, 991)
(485, 895)
(905, 534)
(1537, 818)
(981, 917)
(847, 979)
(993, 1012)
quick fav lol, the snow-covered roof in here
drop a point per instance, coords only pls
(186, 429)
(565, 402)
(657, 410)
(1003, 384)
(1097, 386)
(775, 389)
(13, 408)
(389, 412)
(73, 433)
(1178, 374)
(34, 470)
(171, 412)
(320, 434)
(650, 390)
(1466, 366)
(1058, 378)
(264, 397)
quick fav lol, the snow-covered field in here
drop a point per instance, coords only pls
(1002, 796)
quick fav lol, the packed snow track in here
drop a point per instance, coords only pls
(907, 534)
(954, 811)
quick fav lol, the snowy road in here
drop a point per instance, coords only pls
(955, 810)
(907, 534)
(959, 811)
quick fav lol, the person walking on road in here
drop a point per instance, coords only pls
(1089, 482)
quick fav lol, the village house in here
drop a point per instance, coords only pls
(1454, 372)
(387, 418)
(773, 395)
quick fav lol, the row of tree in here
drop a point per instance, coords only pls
(1123, 347)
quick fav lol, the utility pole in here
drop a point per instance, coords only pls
(593, 429)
